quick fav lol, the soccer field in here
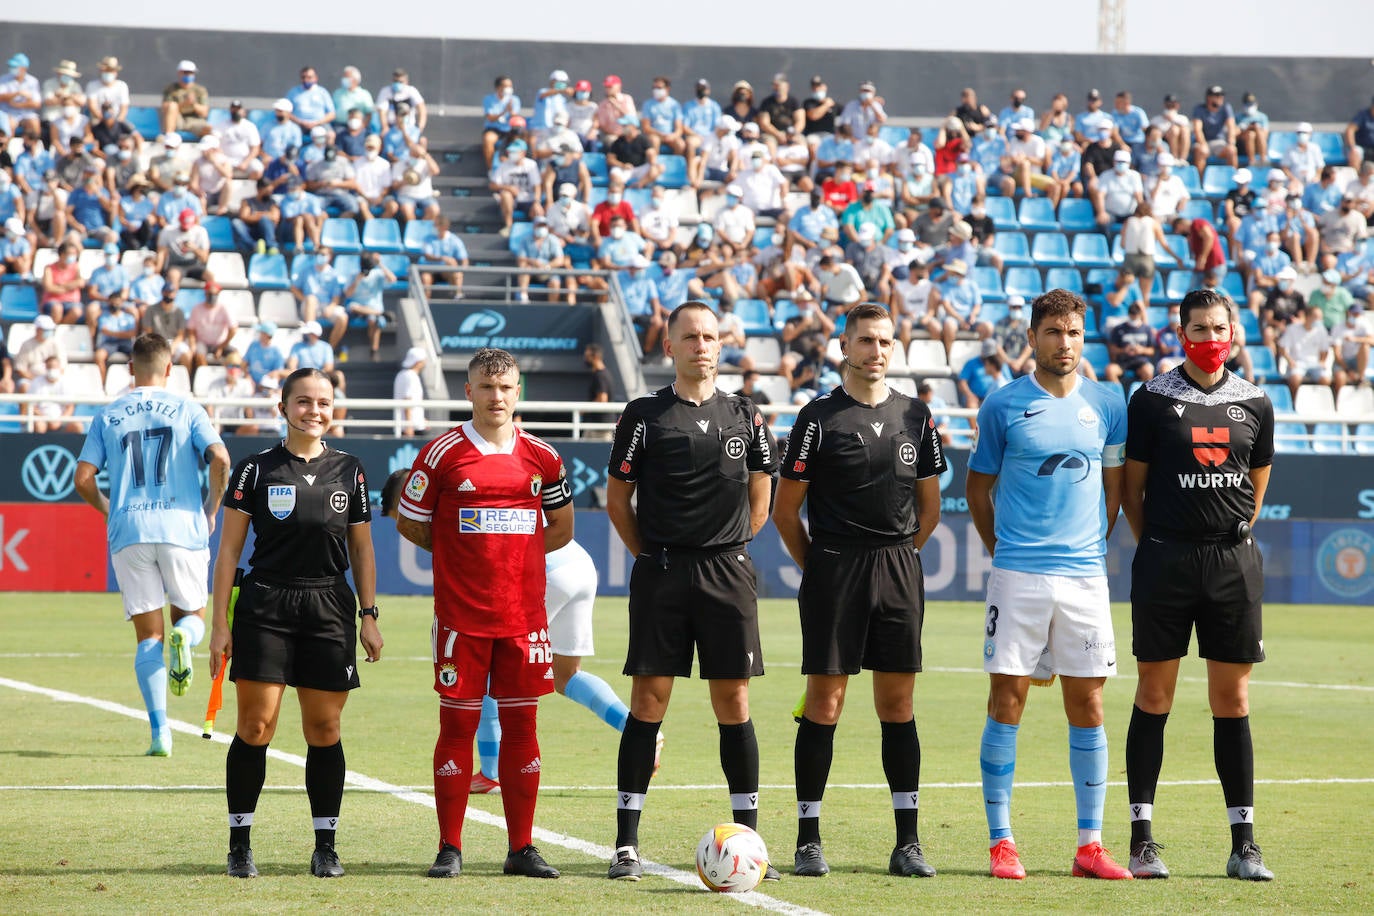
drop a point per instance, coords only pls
(87, 824)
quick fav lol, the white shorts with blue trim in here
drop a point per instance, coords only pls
(1063, 623)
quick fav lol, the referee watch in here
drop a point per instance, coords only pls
(372, 612)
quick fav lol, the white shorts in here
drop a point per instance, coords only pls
(568, 596)
(631, 175)
(1065, 619)
(150, 575)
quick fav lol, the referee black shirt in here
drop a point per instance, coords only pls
(691, 465)
(1200, 444)
(862, 464)
(301, 511)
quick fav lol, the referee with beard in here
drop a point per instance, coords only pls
(701, 464)
(867, 462)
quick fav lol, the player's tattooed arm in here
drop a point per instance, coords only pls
(217, 456)
(421, 534)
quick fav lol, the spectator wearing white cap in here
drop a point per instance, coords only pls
(1273, 196)
(1239, 201)
(718, 154)
(352, 96)
(561, 150)
(185, 103)
(31, 359)
(266, 363)
(762, 184)
(642, 302)
(409, 389)
(16, 251)
(283, 133)
(539, 253)
(661, 119)
(1119, 192)
(1214, 130)
(21, 97)
(1282, 303)
(312, 104)
(1304, 160)
(569, 218)
(1167, 194)
(551, 100)
(735, 222)
(211, 176)
(311, 351)
(1253, 127)
(1026, 163)
(869, 107)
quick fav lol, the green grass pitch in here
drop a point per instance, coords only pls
(135, 834)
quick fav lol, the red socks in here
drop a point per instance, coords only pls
(453, 766)
(519, 763)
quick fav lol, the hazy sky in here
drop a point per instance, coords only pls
(1325, 28)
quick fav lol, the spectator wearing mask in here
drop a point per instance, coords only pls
(165, 318)
(612, 111)
(373, 174)
(675, 284)
(642, 302)
(283, 133)
(312, 104)
(1066, 168)
(735, 222)
(1252, 127)
(108, 133)
(870, 260)
(1282, 304)
(741, 106)
(964, 185)
(539, 253)
(1304, 349)
(1012, 342)
(1214, 130)
(958, 299)
(351, 97)
(1167, 194)
(833, 151)
(1100, 157)
(62, 90)
(659, 222)
(21, 97)
(145, 290)
(762, 185)
(582, 116)
(50, 416)
(310, 352)
(615, 205)
(351, 136)
(1301, 237)
(661, 119)
(717, 158)
(185, 246)
(409, 389)
(514, 183)
(1088, 123)
(498, 107)
(364, 298)
(819, 110)
(266, 364)
(1118, 193)
(808, 222)
(1131, 346)
(412, 182)
(445, 249)
(975, 117)
(1168, 344)
(92, 211)
(632, 157)
(981, 375)
(116, 328)
(335, 182)
(16, 251)
(1332, 299)
(1238, 203)
(234, 384)
(31, 360)
(865, 110)
(211, 176)
(107, 89)
(241, 143)
(1026, 164)
(211, 329)
(106, 280)
(780, 111)
(1015, 110)
(1264, 269)
(255, 227)
(793, 159)
(1303, 162)
(319, 292)
(1341, 228)
(185, 103)
(399, 92)
(1350, 341)
(551, 101)
(570, 219)
(69, 133)
(61, 285)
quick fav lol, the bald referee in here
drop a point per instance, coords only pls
(1198, 454)
(866, 460)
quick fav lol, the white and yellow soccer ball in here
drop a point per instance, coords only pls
(731, 859)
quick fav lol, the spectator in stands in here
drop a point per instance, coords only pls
(399, 92)
(50, 416)
(632, 156)
(1303, 163)
(1362, 186)
(870, 260)
(16, 252)
(841, 286)
(108, 89)
(498, 107)
(335, 182)
(867, 211)
(166, 319)
(806, 224)
(31, 360)
(1238, 203)
(541, 252)
(958, 246)
(1009, 331)
(234, 384)
(1140, 234)
(255, 228)
(1026, 163)
(62, 90)
(514, 182)
(810, 319)
(619, 248)
(741, 106)
(69, 132)
(614, 205)
(552, 100)
(975, 116)
(413, 185)
(409, 389)
(146, 288)
(351, 97)
(1100, 158)
(661, 119)
(955, 305)
(1015, 110)
(699, 119)
(779, 111)
(1359, 136)
(373, 175)
(21, 97)
(302, 216)
(49, 212)
(1168, 343)
(185, 103)
(1351, 340)
(1204, 246)
(1119, 193)
(1304, 348)
(1066, 166)
(809, 371)
(283, 134)
(932, 227)
(177, 198)
(60, 288)
(185, 246)
(762, 185)
(833, 150)
(106, 132)
(1265, 268)
(733, 338)
(447, 249)
(1342, 227)
(569, 218)
(1175, 128)
(312, 104)
(92, 211)
(211, 176)
(310, 352)
(911, 295)
(1167, 194)
(266, 364)
(793, 158)
(735, 222)
(106, 280)
(1056, 124)
(582, 113)
(7, 384)
(351, 136)
(819, 111)
(1088, 123)
(1357, 273)
(364, 297)
(1131, 122)
(319, 291)
(659, 222)
(981, 375)
(116, 328)
(211, 329)
(565, 161)
(1117, 300)
(397, 138)
(12, 204)
(1300, 234)
(1281, 305)
(614, 108)
(314, 150)
(1131, 346)
(642, 303)
(1331, 299)
(241, 143)
(918, 187)
(749, 388)
(675, 284)
(718, 154)
(1253, 131)
(1214, 130)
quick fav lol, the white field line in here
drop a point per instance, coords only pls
(367, 783)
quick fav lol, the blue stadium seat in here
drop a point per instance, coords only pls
(1095, 352)
(1218, 180)
(1279, 395)
(383, 236)
(1156, 316)
(341, 235)
(1233, 286)
(188, 298)
(9, 419)
(1178, 244)
(1090, 250)
(221, 233)
(1076, 215)
(596, 164)
(930, 136)
(145, 121)
(1280, 142)
(639, 199)
(1051, 249)
(1064, 278)
(1159, 295)
(1178, 285)
(518, 233)
(399, 265)
(674, 172)
(597, 196)
(262, 118)
(1291, 439)
(418, 232)
(1201, 208)
(267, 271)
(1102, 276)
(1226, 252)
(18, 303)
(346, 267)
(1023, 281)
(1002, 210)
(753, 314)
(1037, 214)
(1013, 248)
(1191, 180)
(1332, 146)
(989, 283)
(893, 134)
(1250, 324)
(1262, 359)
(783, 309)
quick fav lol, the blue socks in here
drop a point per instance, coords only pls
(193, 628)
(997, 759)
(592, 692)
(489, 738)
(151, 672)
(1088, 765)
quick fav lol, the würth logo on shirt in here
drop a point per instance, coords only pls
(1211, 445)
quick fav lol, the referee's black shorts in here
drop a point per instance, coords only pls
(1217, 586)
(301, 632)
(861, 607)
(685, 599)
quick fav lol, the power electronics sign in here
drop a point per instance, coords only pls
(518, 328)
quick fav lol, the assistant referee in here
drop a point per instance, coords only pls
(701, 463)
(294, 620)
(1198, 454)
(867, 461)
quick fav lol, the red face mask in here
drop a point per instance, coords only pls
(1208, 355)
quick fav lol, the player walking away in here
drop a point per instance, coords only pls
(1197, 464)
(701, 463)
(152, 443)
(867, 462)
(568, 598)
(474, 498)
(294, 620)
(1049, 450)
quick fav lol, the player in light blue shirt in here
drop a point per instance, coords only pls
(152, 444)
(1044, 487)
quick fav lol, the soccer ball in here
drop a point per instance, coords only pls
(731, 859)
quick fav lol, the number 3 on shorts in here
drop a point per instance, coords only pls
(992, 620)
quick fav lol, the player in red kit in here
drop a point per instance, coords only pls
(488, 500)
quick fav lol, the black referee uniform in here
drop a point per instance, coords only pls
(693, 585)
(295, 620)
(1196, 566)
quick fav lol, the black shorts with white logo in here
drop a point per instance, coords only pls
(1215, 586)
(302, 633)
(686, 599)
(861, 607)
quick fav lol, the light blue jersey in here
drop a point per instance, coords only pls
(153, 443)
(1048, 454)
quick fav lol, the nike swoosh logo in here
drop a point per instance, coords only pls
(1096, 784)
(1034, 413)
(1111, 664)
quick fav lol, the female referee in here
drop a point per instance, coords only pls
(294, 621)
